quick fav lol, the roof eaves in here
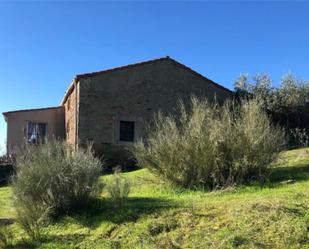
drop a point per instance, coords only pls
(29, 110)
(202, 76)
(69, 91)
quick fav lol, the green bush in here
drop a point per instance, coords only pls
(118, 188)
(54, 177)
(6, 237)
(32, 217)
(211, 146)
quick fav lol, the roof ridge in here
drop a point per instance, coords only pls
(84, 75)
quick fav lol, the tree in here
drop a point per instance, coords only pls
(288, 104)
(291, 95)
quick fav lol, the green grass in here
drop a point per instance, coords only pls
(273, 215)
(6, 202)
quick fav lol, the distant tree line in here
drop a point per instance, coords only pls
(287, 104)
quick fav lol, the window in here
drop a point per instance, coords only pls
(36, 132)
(127, 131)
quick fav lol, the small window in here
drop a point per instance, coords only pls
(36, 132)
(127, 131)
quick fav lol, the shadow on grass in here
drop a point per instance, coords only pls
(104, 210)
(54, 239)
(295, 173)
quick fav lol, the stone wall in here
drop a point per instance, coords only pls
(70, 106)
(135, 94)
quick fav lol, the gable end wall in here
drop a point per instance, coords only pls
(135, 94)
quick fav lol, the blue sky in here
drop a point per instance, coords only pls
(44, 44)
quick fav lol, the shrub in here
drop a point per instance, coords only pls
(287, 104)
(7, 159)
(6, 237)
(32, 217)
(118, 188)
(54, 177)
(210, 145)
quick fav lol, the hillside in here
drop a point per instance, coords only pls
(275, 215)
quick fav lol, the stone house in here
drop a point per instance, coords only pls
(110, 108)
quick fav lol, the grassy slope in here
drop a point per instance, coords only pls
(157, 216)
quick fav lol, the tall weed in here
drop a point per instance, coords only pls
(118, 188)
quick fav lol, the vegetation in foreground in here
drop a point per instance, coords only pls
(210, 145)
(287, 104)
(51, 180)
(275, 215)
